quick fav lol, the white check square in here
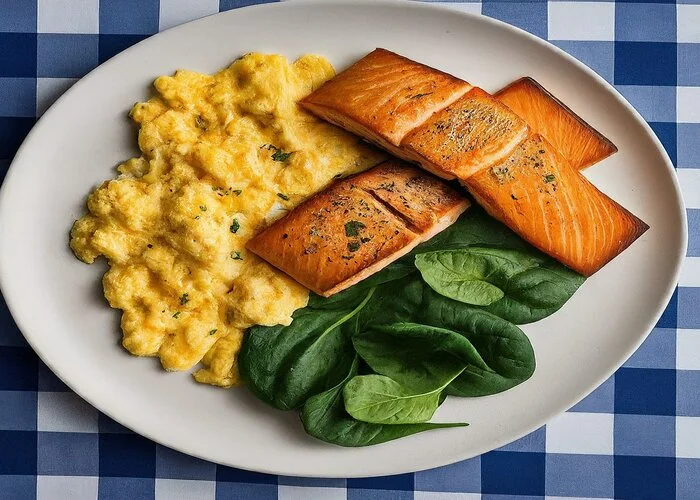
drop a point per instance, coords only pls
(688, 104)
(65, 412)
(688, 22)
(688, 348)
(68, 16)
(185, 489)
(575, 432)
(73, 487)
(174, 12)
(310, 493)
(688, 437)
(50, 89)
(592, 21)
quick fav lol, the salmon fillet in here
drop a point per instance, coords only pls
(474, 131)
(539, 195)
(383, 96)
(546, 115)
(358, 226)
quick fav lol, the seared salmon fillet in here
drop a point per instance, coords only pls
(383, 96)
(474, 131)
(539, 195)
(546, 115)
(358, 226)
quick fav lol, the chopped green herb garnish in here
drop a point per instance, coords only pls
(549, 178)
(365, 240)
(203, 208)
(184, 298)
(237, 192)
(176, 315)
(196, 217)
(200, 122)
(418, 96)
(354, 246)
(279, 154)
(235, 226)
(387, 186)
(212, 332)
(353, 227)
(236, 256)
(283, 196)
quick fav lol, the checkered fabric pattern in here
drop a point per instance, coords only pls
(637, 436)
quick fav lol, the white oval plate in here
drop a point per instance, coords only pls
(58, 305)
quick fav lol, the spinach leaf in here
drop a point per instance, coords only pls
(380, 400)
(537, 292)
(414, 354)
(517, 285)
(505, 349)
(285, 365)
(324, 417)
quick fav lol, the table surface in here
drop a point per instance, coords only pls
(637, 436)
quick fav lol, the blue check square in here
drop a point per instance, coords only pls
(377, 494)
(231, 475)
(688, 300)
(669, 318)
(687, 474)
(525, 473)
(530, 16)
(688, 67)
(687, 400)
(111, 45)
(657, 351)
(18, 487)
(17, 97)
(645, 435)
(18, 16)
(9, 333)
(462, 477)
(129, 16)
(645, 477)
(18, 410)
(645, 63)
(121, 488)
(127, 455)
(637, 22)
(688, 145)
(666, 132)
(48, 381)
(234, 4)
(18, 54)
(22, 458)
(107, 425)
(227, 491)
(693, 243)
(601, 400)
(67, 454)
(171, 464)
(599, 56)
(18, 369)
(579, 475)
(645, 391)
(402, 482)
(66, 55)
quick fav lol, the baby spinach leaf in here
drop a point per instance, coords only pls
(520, 286)
(324, 417)
(285, 365)
(505, 349)
(380, 400)
(537, 292)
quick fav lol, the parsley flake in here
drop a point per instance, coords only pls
(235, 226)
(176, 315)
(283, 196)
(549, 178)
(352, 228)
(236, 255)
(354, 246)
(212, 332)
(184, 298)
(203, 208)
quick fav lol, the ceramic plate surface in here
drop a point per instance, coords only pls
(57, 301)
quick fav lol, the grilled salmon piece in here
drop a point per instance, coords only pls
(358, 226)
(539, 195)
(383, 96)
(473, 132)
(575, 139)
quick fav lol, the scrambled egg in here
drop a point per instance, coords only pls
(222, 156)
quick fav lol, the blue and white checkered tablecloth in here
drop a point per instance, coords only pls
(637, 436)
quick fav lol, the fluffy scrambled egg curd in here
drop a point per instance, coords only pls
(223, 155)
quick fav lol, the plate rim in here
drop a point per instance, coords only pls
(14, 307)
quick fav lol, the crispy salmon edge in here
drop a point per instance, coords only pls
(331, 113)
(531, 82)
